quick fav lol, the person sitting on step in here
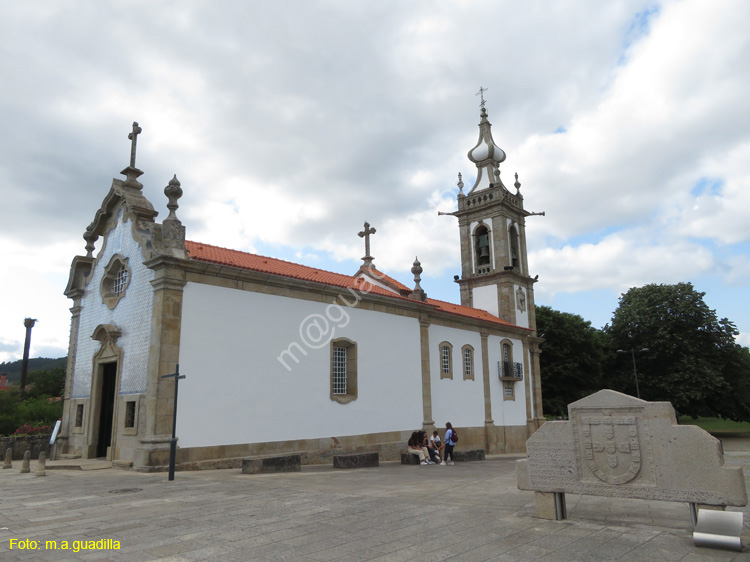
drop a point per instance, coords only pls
(415, 448)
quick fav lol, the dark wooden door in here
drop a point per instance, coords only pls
(107, 400)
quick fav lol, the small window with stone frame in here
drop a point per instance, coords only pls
(343, 376)
(446, 360)
(130, 413)
(79, 415)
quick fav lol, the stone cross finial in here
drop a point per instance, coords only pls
(366, 235)
(481, 94)
(133, 140)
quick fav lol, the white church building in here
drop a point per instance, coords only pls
(284, 358)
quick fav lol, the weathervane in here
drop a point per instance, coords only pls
(481, 94)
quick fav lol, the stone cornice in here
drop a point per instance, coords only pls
(80, 269)
(493, 278)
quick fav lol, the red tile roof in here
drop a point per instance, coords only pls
(385, 279)
(199, 251)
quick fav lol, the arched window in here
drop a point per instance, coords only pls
(482, 245)
(467, 356)
(446, 360)
(513, 239)
(507, 360)
(343, 370)
(510, 372)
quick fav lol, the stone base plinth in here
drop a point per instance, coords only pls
(286, 463)
(464, 456)
(359, 460)
(409, 458)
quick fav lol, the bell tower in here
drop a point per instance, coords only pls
(492, 225)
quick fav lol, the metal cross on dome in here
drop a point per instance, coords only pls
(481, 94)
(133, 140)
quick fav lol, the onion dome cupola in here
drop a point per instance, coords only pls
(487, 156)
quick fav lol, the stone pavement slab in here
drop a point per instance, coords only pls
(466, 512)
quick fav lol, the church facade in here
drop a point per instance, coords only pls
(280, 357)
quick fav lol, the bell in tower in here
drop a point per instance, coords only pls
(492, 224)
(482, 245)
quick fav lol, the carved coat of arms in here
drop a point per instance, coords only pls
(610, 446)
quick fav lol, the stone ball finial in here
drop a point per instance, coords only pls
(173, 191)
(497, 172)
(417, 293)
(517, 185)
(460, 184)
(417, 269)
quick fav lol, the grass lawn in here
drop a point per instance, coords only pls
(717, 425)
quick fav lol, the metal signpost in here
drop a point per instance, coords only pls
(173, 442)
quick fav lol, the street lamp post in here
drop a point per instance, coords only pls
(173, 442)
(28, 324)
(635, 371)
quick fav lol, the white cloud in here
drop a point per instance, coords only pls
(292, 123)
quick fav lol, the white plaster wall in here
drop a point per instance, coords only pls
(458, 401)
(237, 391)
(485, 298)
(132, 315)
(506, 412)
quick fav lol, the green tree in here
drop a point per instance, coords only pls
(47, 383)
(693, 361)
(572, 361)
(8, 412)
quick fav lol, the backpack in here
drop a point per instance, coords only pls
(454, 437)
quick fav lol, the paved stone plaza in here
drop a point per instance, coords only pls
(467, 512)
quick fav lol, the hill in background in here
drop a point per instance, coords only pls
(13, 368)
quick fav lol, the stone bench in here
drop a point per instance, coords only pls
(262, 465)
(356, 460)
(409, 458)
(473, 455)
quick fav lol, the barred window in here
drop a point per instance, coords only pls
(120, 281)
(468, 362)
(339, 370)
(446, 360)
(130, 413)
(343, 370)
(115, 281)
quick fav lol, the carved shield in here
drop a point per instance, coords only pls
(611, 447)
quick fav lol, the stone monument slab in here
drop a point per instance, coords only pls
(620, 446)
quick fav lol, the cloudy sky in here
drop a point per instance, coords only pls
(291, 123)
